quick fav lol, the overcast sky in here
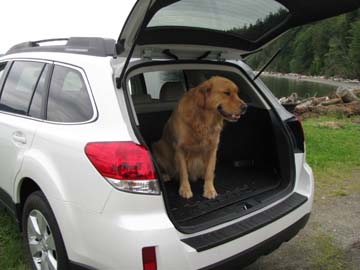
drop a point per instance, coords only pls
(25, 20)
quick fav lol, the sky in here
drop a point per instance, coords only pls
(25, 20)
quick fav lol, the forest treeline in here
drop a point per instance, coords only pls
(330, 47)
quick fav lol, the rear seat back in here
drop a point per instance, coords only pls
(153, 113)
(170, 93)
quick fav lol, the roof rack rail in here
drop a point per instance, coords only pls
(79, 45)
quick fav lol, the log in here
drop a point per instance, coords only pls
(293, 99)
(304, 105)
(319, 100)
(331, 102)
(347, 109)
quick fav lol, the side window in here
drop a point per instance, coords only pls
(19, 86)
(165, 85)
(36, 107)
(68, 98)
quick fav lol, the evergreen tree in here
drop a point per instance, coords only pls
(330, 47)
(354, 50)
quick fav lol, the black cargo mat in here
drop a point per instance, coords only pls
(232, 184)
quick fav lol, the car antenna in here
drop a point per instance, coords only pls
(276, 53)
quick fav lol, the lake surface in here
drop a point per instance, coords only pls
(283, 87)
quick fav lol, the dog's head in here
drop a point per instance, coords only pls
(220, 95)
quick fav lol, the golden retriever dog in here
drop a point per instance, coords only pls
(190, 138)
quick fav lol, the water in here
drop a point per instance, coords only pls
(283, 87)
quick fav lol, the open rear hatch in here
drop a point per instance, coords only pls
(227, 27)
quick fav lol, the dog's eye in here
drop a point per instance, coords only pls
(227, 93)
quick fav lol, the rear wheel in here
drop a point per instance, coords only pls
(42, 236)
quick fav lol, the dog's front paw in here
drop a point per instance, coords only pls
(210, 193)
(185, 192)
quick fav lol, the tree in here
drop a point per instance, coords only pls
(329, 47)
(336, 59)
(354, 50)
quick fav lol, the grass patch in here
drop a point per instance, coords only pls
(333, 153)
(12, 253)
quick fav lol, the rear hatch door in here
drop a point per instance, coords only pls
(231, 26)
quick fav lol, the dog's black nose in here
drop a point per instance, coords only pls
(243, 108)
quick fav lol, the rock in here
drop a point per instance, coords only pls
(346, 94)
(356, 92)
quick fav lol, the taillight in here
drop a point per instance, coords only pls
(126, 165)
(297, 134)
(149, 258)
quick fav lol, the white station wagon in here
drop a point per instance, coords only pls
(78, 118)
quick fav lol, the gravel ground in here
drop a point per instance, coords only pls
(330, 240)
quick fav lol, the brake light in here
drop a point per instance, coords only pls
(126, 165)
(297, 134)
(149, 258)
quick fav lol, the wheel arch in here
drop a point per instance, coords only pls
(27, 186)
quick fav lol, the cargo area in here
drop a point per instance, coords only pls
(254, 159)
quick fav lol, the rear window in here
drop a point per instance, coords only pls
(248, 19)
(69, 100)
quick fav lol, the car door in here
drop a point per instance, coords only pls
(17, 127)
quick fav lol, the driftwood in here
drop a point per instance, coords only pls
(293, 98)
(346, 109)
(332, 101)
(343, 101)
(304, 105)
(320, 100)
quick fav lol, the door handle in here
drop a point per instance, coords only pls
(19, 137)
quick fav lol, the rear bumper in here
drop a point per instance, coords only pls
(250, 255)
(246, 257)
(116, 241)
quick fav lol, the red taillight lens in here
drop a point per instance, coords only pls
(121, 160)
(126, 165)
(149, 258)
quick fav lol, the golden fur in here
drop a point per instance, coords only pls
(190, 138)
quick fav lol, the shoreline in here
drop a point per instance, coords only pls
(335, 81)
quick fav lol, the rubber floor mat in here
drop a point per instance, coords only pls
(232, 184)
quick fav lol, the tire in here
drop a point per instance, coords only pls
(44, 244)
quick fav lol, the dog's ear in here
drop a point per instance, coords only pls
(202, 91)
